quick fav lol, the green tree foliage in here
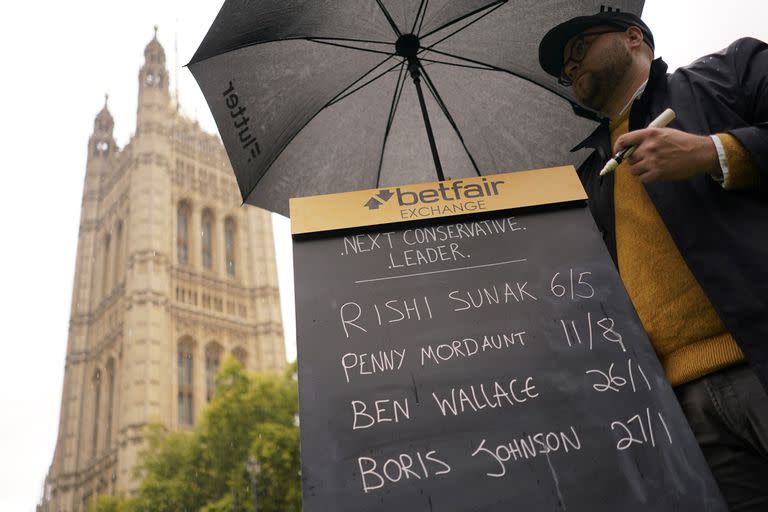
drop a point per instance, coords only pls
(108, 503)
(250, 416)
(279, 488)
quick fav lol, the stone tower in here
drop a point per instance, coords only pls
(171, 275)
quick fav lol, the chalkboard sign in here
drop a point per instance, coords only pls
(483, 363)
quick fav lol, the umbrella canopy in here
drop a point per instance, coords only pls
(318, 96)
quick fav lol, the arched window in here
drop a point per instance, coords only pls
(229, 245)
(105, 273)
(96, 411)
(212, 359)
(182, 233)
(206, 234)
(241, 355)
(185, 367)
(110, 399)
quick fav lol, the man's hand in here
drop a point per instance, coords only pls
(666, 154)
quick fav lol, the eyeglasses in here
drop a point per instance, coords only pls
(579, 50)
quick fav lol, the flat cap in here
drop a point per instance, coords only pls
(553, 43)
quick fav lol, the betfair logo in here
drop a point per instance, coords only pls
(456, 190)
(379, 199)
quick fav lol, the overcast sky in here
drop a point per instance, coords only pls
(59, 59)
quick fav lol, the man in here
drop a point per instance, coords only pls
(686, 221)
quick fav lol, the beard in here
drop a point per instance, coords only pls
(595, 87)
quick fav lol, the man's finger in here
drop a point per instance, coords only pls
(635, 157)
(638, 168)
(649, 177)
(644, 175)
(634, 138)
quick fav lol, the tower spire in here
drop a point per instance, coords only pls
(104, 123)
(153, 75)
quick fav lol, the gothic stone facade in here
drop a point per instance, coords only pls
(171, 275)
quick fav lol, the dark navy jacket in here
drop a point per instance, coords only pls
(722, 235)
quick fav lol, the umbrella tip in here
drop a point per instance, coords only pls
(106, 99)
(155, 27)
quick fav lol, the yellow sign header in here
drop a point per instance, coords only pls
(434, 200)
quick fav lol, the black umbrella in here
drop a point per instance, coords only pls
(322, 96)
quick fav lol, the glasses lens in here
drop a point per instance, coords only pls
(578, 49)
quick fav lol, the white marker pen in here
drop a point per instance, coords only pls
(663, 120)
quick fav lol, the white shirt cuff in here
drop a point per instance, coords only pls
(723, 162)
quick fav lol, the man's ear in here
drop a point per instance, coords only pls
(634, 37)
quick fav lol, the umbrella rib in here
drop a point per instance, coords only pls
(288, 142)
(491, 67)
(422, 5)
(465, 26)
(392, 109)
(325, 41)
(463, 17)
(399, 94)
(433, 61)
(389, 18)
(297, 38)
(343, 94)
(423, 17)
(444, 108)
(352, 40)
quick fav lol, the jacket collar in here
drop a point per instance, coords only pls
(656, 78)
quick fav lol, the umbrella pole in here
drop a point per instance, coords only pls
(413, 68)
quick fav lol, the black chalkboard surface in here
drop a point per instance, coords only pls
(490, 364)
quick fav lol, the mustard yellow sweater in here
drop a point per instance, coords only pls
(686, 332)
